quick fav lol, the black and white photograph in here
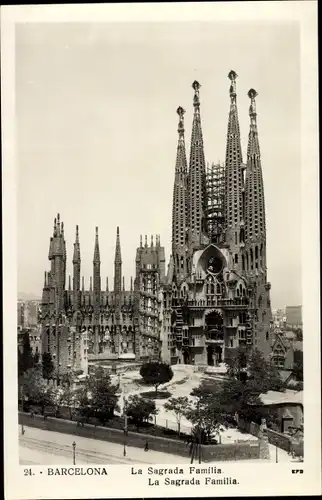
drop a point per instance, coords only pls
(160, 312)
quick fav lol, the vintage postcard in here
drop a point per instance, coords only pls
(161, 243)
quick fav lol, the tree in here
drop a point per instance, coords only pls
(35, 389)
(140, 409)
(98, 398)
(263, 373)
(47, 366)
(237, 362)
(299, 334)
(156, 373)
(207, 414)
(249, 376)
(69, 399)
(179, 406)
(26, 358)
(298, 365)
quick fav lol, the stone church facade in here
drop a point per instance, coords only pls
(215, 295)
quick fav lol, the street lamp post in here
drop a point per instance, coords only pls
(74, 453)
(22, 396)
(125, 425)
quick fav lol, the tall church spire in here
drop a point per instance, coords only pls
(196, 175)
(118, 264)
(76, 271)
(96, 273)
(234, 177)
(255, 224)
(179, 207)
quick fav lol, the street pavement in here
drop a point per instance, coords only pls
(40, 447)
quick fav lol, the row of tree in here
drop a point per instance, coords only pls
(217, 403)
(27, 359)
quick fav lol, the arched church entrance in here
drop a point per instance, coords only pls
(186, 357)
(214, 338)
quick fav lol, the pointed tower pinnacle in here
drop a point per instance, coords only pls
(234, 177)
(107, 283)
(179, 205)
(131, 288)
(76, 255)
(76, 271)
(255, 224)
(118, 264)
(123, 284)
(96, 273)
(197, 175)
(69, 283)
(96, 258)
(83, 284)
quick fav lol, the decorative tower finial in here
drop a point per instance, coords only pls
(131, 284)
(83, 284)
(62, 229)
(141, 241)
(232, 75)
(151, 240)
(55, 227)
(123, 284)
(181, 113)
(90, 284)
(58, 224)
(252, 94)
(69, 283)
(107, 283)
(45, 282)
(196, 99)
(146, 241)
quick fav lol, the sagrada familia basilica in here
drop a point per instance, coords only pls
(214, 295)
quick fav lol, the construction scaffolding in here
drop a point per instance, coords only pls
(216, 188)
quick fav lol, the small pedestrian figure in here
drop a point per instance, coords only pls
(146, 447)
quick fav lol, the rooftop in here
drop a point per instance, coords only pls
(274, 397)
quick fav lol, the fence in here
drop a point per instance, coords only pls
(278, 439)
(236, 451)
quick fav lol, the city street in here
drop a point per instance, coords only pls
(39, 447)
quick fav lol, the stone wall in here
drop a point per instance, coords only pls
(210, 453)
(278, 439)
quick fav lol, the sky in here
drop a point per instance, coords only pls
(96, 134)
